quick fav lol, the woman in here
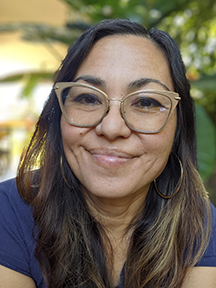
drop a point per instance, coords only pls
(110, 174)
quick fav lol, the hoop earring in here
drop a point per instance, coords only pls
(62, 170)
(177, 186)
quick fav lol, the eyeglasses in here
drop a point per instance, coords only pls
(144, 111)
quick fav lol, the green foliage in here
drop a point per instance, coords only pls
(206, 82)
(31, 79)
(206, 143)
(43, 33)
(146, 12)
(206, 92)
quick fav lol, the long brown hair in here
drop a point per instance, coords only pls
(169, 236)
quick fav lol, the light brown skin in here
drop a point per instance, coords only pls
(114, 164)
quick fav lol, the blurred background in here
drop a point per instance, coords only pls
(35, 36)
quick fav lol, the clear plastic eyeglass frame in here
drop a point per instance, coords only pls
(60, 86)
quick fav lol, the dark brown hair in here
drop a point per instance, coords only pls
(169, 236)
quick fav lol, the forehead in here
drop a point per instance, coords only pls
(126, 58)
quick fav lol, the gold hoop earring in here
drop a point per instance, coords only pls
(177, 186)
(62, 170)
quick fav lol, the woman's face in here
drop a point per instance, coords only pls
(110, 160)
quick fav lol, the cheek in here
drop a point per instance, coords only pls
(158, 146)
(70, 136)
(164, 139)
(65, 132)
(168, 135)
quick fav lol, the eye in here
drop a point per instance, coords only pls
(146, 103)
(85, 99)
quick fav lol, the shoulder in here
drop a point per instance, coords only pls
(16, 221)
(209, 257)
(213, 210)
(199, 277)
(12, 207)
(7, 186)
(204, 272)
(10, 278)
(16, 226)
(9, 194)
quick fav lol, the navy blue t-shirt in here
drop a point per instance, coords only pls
(17, 243)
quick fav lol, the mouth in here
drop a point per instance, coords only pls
(110, 157)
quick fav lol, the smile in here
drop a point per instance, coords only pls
(110, 158)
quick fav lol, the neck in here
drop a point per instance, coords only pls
(115, 214)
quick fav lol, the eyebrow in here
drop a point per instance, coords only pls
(134, 85)
(91, 80)
(144, 81)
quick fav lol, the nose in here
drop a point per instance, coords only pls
(113, 125)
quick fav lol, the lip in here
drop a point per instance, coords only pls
(106, 157)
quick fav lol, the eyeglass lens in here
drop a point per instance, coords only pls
(144, 111)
